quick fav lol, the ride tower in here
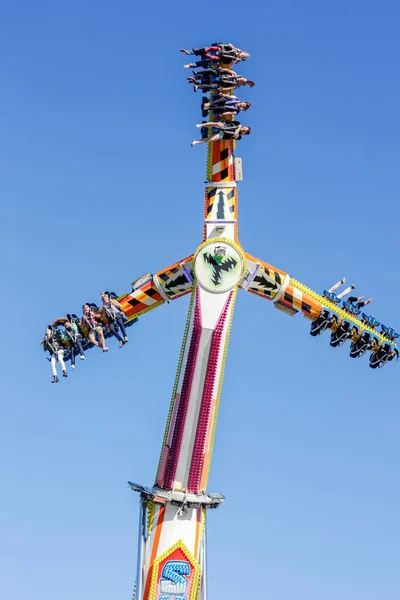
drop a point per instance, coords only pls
(171, 562)
(172, 530)
(172, 524)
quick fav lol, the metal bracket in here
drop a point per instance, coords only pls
(247, 282)
(160, 289)
(221, 184)
(187, 272)
(180, 499)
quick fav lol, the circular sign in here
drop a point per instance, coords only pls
(218, 266)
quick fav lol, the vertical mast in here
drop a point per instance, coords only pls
(173, 532)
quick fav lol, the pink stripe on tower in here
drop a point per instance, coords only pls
(206, 402)
(176, 441)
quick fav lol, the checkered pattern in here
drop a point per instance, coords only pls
(220, 161)
(140, 301)
(295, 298)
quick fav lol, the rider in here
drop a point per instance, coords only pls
(222, 53)
(112, 311)
(358, 302)
(225, 105)
(52, 344)
(228, 130)
(218, 79)
(75, 335)
(91, 320)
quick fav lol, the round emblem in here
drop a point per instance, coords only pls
(218, 266)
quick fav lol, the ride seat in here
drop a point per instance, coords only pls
(370, 320)
(351, 309)
(331, 296)
(389, 332)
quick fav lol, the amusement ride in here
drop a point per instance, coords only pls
(171, 560)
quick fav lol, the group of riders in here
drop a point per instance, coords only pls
(88, 330)
(362, 338)
(216, 75)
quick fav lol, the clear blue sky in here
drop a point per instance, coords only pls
(99, 185)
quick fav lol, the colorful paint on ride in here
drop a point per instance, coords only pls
(172, 524)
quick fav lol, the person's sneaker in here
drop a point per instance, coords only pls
(105, 349)
(126, 339)
(55, 379)
(82, 357)
(65, 374)
(72, 366)
(121, 344)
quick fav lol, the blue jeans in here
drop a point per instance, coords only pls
(120, 322)
(74, 348)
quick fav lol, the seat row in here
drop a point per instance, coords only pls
(71, 335)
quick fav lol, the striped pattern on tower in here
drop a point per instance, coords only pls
(203, 424)
(213, 424)
(183, 402)
(173, 404)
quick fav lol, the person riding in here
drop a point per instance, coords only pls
(112, 311)
(228, 130)
(53, 345)
(221, 53)
(225, 105)
(74, 334)
(358, 302)
(91, 320)
(218, 79)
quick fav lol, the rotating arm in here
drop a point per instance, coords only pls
(148, 292)
(151, 291)
(291, 297)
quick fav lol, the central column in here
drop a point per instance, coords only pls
(172, 555)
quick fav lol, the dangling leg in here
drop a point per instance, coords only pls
(346, 291)
(214, 138)
(121, 325)
(73, 356)
(210, 124)
(60, 354)
(361, 302)
(53, 368)
(205, 87)
(202, 64)
(101, 338)
(80, 348)
(195, 51)
(92, 338)
(338, 284)
(114, 331)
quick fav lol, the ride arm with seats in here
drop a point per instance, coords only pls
(148, 292)
(290, 296)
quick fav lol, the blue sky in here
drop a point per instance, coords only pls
(98, 186)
